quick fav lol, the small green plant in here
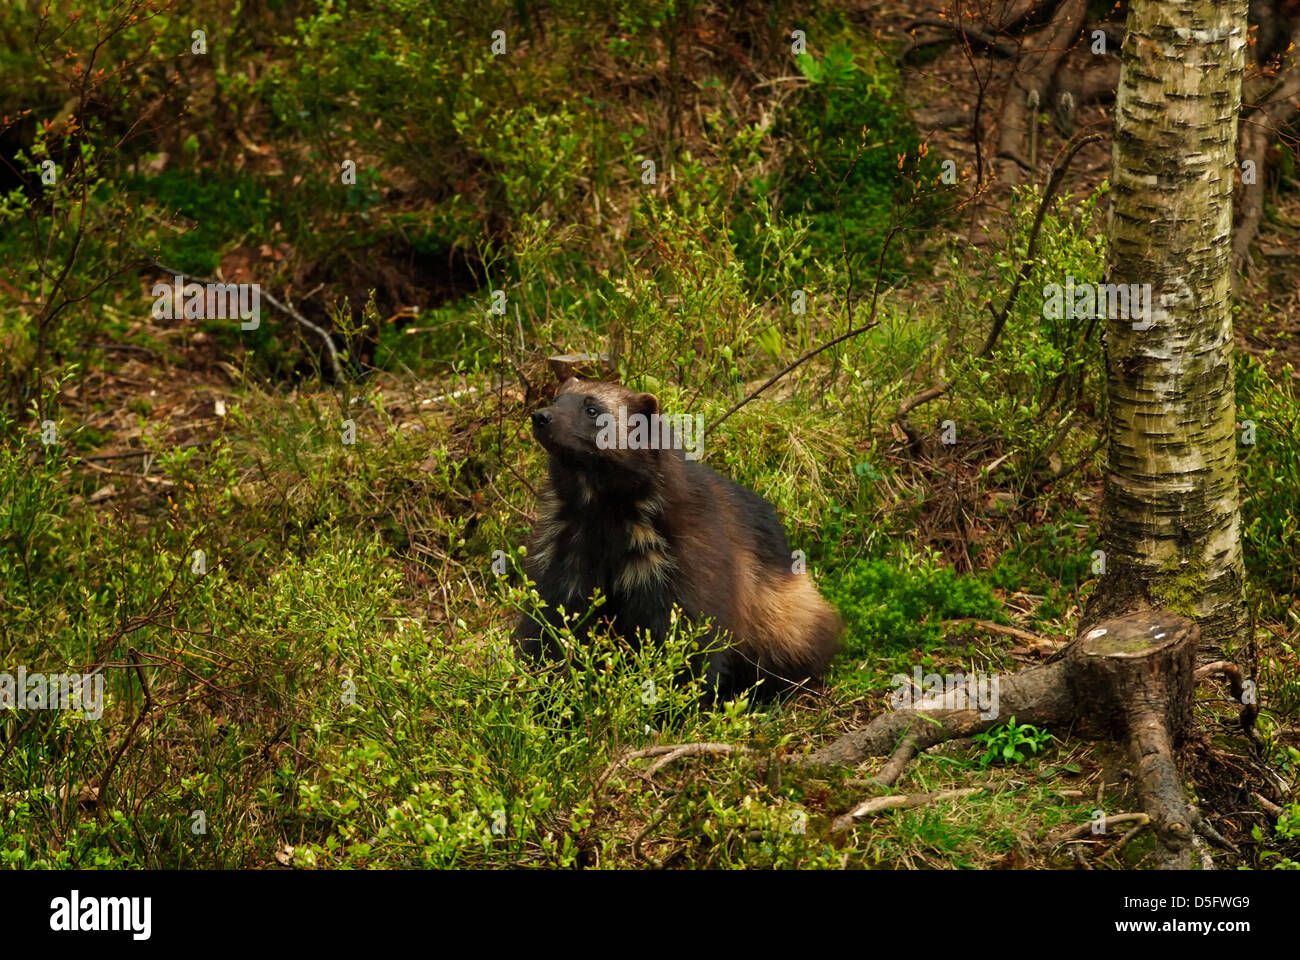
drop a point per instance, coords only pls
(1287, 830)
(1003, 744)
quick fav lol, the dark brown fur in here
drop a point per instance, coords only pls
(651, 529)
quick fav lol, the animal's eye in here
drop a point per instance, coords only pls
(592, 411)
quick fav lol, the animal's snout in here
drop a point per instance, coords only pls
(541, 419)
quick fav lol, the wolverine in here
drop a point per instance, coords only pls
(628, 512)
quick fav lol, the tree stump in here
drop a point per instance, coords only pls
(1133, 679)
(588, 366)
(1129, 679)
(1132, 670)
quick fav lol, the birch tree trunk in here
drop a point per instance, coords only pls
(1171, 514)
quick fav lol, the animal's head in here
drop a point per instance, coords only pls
(592, 420)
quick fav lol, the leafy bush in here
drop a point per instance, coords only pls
(889, 607)
(857, 167)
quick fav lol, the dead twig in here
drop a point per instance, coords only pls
(1006, 631)
(956, 31)
(145, 710)
(806, 357)
(669, 752)
(657, 819)
(693, 750)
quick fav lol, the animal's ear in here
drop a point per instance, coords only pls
(646, 403)
(568, 383)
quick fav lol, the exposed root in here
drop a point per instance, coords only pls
(1038, 695)
(1140, 821)
(1268, 806)
(1129, 679)
(1085, 830)
(1236, 686)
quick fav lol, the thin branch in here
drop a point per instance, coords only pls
(898, 802)
(1000, 318)
(963, 30)
(145, 710)
(283, 308)
(806, 357)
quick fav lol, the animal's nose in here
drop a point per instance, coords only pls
(541, 418)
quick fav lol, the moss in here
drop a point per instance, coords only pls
(1181, 586)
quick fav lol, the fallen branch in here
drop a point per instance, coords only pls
(1268, 806)
(283, 308)
(1130, 834)
(693, 750)
(898, 802)
(1009, 15)
(1006, 631)
(654, 821)
(1037, 696)
(891, 771)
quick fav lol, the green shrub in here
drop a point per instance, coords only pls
(888, 607)
(856, 168)
(1040, 391)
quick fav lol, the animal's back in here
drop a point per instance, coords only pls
(785, 632)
